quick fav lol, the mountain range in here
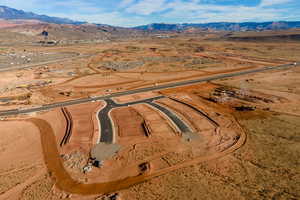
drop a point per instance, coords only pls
(7, 13)
(224, 26)
(11, 13)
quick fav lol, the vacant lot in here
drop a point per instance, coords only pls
(244, 138)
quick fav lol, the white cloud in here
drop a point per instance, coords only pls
(20, 4)
(147, 7)
(179, 11)
(137, 12)
(125, 3)
(77, 6)
(265, 3)
(195, 12)
(110, 18)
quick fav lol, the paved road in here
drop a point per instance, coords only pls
(107, 132)
(106, 124)
(105, 121)
(173, 117)
(198, 111)
(148, 89)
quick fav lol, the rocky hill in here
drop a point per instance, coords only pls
(223, 26)
(11, 13)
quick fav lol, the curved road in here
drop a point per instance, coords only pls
(65, 182)
(147, 89)
(106, 122)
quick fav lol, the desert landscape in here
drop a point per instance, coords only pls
(103, 113)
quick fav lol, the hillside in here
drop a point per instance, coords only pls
(223, 26)
(11, 13)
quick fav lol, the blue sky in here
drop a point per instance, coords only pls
(137, 12)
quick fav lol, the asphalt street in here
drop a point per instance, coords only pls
(106, 122)
(174, 118)
(106, 125)
(147, 89)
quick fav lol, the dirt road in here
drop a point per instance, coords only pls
(66, 183)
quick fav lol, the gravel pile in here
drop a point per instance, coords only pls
(103, 151)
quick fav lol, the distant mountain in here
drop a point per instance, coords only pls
(10, 17)
(11, 13)
(226, 26)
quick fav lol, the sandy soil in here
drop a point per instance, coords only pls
(282, 84)
(84, 132)
(244, 144)
(265, 168)
(21, 158)
(129, 124)
(162, 61)
(135, 97)
(66, 183)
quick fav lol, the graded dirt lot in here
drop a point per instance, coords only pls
(119, 66)
(243, 132)
(22, 162)
(266, 167)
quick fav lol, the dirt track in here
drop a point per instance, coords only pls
(77, 56)
(66, 183)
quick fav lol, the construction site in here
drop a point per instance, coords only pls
(179, 117)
